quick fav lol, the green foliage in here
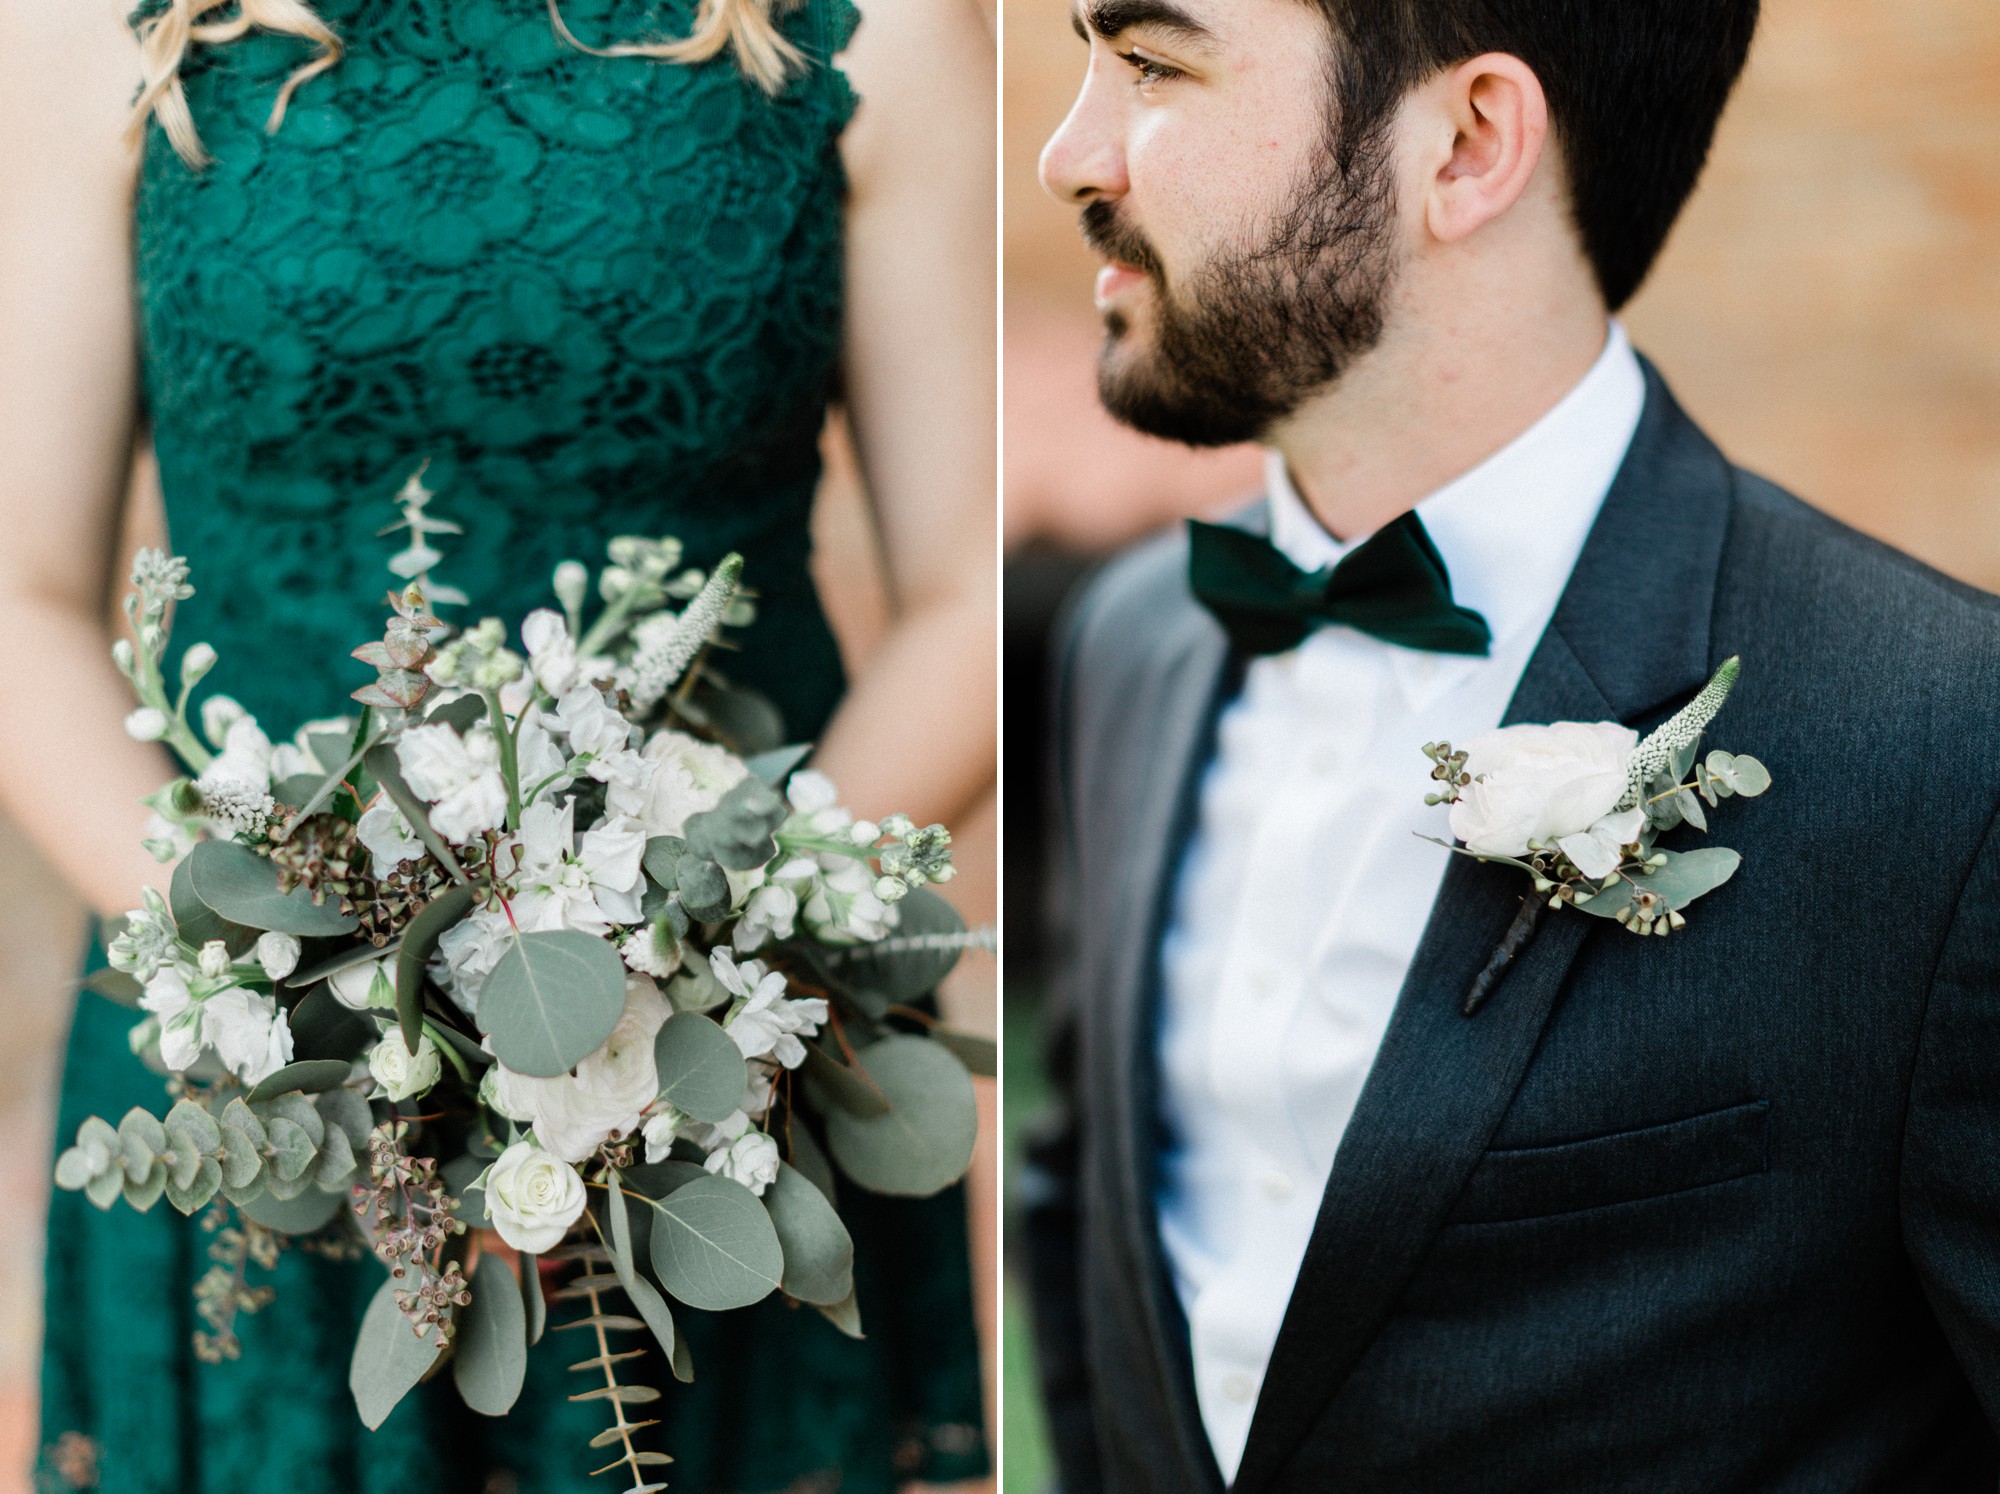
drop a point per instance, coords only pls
(714, 1247)
(810, 1158)
(420, 942)
(553, 999)
(323, 1028)
(380, 761)
(238, 885)
(645, 1297)
(662, 861)
(832, 1084)
(491, 1361)
(115, 985)
(702, 1072)
(777, 765)
(980, 1055)
(924, 1142)
(196, 922)
(903, 969)
(702, 886)
(533, 1303)
(739, 832)
(389, 1359)
(819, 1253)
(308, 1076)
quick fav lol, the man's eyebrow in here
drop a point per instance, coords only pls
(1110, 17)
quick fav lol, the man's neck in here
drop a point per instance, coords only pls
(1428, 405)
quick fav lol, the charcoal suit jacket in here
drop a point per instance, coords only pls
(1712, 1212)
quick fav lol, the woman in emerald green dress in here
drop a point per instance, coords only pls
(600, 289)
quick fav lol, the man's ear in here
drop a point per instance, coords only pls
(1497, 119)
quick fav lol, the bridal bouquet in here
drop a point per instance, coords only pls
(554, 942)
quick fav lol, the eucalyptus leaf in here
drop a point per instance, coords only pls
(810, 1158)
(323, 1028)
(292, 1151)
(242, 887)
(143, 1194)
(302, 1214)
(701, 1070)
(195, 921)
(979, 1054)
(459, 1175)
(114, 985)
(300, 1111)
(738, 832)
(491, 1361)
(643, 1294)
(1690, 808)
(663, 855)
(553, 999)
(745, 719)
(714, 1247)
(389, 1359)
(924, 1143)
(703, 887)
(819, 1253)
(658, 1179)
(833, 1085)
(242, 1163)
(901, 976)
(337, 1162)
(533, 1304)
(302, 792)
(846, 1316)
(198, 1190)
(777, 765)
(420, 942)
(1739, 774)
(309, 1076)
(142, 1138)
(1689, 874)
(345, 1110)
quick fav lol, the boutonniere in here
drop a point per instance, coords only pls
(1578, 806)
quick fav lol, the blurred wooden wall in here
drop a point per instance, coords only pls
(1829, 306)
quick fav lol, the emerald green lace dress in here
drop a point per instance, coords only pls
(598, 296)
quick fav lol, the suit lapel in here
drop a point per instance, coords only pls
(1441, 1082)
(1173, 731)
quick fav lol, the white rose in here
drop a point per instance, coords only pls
(690, 776)
(533, 1197)
(751, 1159)
(356, 986)
(1537, 784)
(660, 1131)
(278, 954)
(400, 1076)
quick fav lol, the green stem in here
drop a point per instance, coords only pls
(610, 623)
(443, 1045)
(509, 767)
(819, 843)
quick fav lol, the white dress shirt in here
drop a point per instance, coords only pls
(1305, 888)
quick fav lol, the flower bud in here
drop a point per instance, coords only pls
(146, 724)
(891, 889)
(572, 580)
(195, 663)
(864, 832)
(613, 582)
(122, 656)
(278, 954)
(215, 960)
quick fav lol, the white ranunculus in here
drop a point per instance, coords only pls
(533, 1197)
(388, 837)
(690, 776)
(1597, 851)
(248, 1033)
(278, 954)
(458, 776)
(767, 1024)
(751, 1159)
(1537, 784)
(401, 1076)
(573, 1114)
(355, 987)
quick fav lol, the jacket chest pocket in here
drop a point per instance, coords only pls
(1532, 1182)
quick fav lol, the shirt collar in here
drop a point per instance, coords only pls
(1510, 530)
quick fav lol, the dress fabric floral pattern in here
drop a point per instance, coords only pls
(598, 296)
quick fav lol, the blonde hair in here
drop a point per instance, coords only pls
(745, 27)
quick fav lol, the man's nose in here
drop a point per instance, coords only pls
(1085, 158)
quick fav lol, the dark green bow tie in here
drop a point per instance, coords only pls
(1394, 588)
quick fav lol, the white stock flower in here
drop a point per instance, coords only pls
(690, 776)
(590, 723)
(146, 724)
(573, 1114)
(842, 907)
(767, 1023)
(533, 1197)
(458, 776)
(278, 954)
(660, 1131)
(772, 909)
(401, 1076)
(168, 998)
(388, 836)
(357, 986)
(551, 651)
(213, 961)
(1533, 785)
(540, 762)
(585, 884)
(1597, 851)
(248, 1032)
(218, 714)
(245, 757)
(751, 1159)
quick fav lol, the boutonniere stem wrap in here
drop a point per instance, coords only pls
(1580, 807)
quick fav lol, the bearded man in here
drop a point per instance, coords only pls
(1339, 1197)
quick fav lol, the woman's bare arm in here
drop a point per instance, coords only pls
(917, 730)
(68, 773)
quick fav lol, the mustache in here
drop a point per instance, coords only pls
(1113, 238)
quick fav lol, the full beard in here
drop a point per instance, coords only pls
(1255, 332)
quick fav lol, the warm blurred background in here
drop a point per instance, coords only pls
(1828, 308)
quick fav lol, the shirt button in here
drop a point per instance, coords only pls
(1277, 1187)
(1237, 1387)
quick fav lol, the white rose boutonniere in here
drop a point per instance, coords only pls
(1578, 807)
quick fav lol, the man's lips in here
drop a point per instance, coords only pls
(1114, 280)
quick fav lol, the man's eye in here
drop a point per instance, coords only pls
(1148, 70)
